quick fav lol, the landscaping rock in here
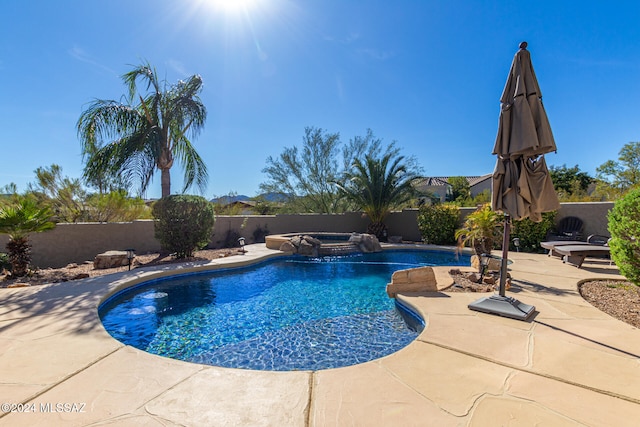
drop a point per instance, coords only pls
(110, 259)
(421, 279)
(288, 246)
(308, 249)
(472, 277)
(367, 243)
(395, 239)
(312, 241)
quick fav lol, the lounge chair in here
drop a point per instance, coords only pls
(576, 254)
(593, 239)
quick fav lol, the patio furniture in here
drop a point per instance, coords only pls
(551, 245)
(569, 228)
(576, 254)
(592, 240)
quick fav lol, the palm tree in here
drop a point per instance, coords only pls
(480, 229)
(18, 220)
(131, 141)
(376, 185)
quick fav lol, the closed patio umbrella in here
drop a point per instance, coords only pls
(521, 186)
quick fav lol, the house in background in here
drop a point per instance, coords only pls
(440, 188)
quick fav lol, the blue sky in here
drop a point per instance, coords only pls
(427, 74)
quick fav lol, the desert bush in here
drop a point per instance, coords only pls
(183, 223)
(532, 233)
(438, 223)
(115, 206)
(624, 226)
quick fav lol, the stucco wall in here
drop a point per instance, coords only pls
(69, 243)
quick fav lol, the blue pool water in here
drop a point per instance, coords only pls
(285, 314)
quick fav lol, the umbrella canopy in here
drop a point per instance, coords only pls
(522, 187)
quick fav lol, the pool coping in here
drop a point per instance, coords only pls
(571, 364)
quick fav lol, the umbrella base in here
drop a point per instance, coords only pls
(503, 306)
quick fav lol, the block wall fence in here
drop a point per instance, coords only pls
(79, 242)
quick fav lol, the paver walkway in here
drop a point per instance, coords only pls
(570, 365)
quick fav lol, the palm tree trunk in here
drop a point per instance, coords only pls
(379, 229)
(19, 256)
(165, 182)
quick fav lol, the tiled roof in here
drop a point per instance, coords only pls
(444, 180)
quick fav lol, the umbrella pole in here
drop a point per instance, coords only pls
(505, 255)
(501, 304)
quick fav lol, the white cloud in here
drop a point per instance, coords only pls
(78, 53)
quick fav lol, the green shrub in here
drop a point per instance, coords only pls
(5, 263)
(183, 223)
(624, 226)
(115, 206)
(532, 233)
(438, 223)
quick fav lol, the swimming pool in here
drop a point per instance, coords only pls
(290, 313)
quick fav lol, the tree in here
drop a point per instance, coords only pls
(65, 196)
(460, 189)
(623, 175)
(569, 181)
(378, 184)
(132, 140)
(18, 220)
(308, 175)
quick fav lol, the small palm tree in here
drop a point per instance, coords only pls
(377, 185)
(481, 229)
(18, 220)
(131, 141)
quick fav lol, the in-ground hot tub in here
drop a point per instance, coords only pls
(331, 243)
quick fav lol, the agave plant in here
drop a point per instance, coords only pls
(18, 220)
(480, 230)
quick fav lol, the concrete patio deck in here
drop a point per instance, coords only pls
(570, 365)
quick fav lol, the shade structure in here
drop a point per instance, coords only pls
(521, 186)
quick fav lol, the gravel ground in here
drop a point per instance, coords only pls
(619, 299)
(80, 271)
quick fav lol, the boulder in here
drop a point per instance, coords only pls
(295, 241)
(288, 246)
(367, 243)
(312, 241)
(421, 279)
(308, 249)
(472, 277)
(110, 259)
(488, 280)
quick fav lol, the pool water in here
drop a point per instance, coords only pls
(290, 313)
